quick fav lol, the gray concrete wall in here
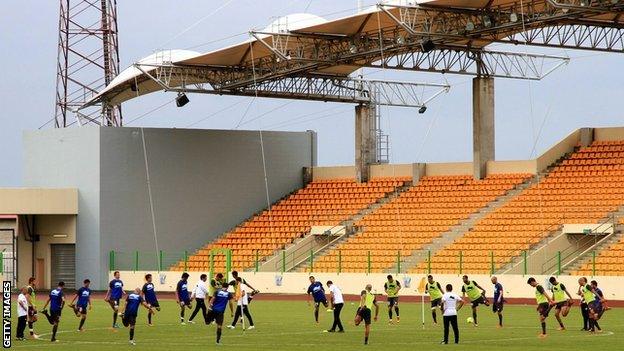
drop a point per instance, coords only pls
(204, 182)
(70, 158)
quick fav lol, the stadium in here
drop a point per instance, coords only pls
(381, 174)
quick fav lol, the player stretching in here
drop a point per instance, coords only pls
(367, 301)
(317, 292)
(392, 287)
(32, 307)
(601, 304)
(434, 289)
(113, 295)
(56, 299)
(182, 296)
(131, 310)
(84, 303)
(499, 301)
(476, 294)
(544, 303)
(216, 307)
(149, 295)
(594, 305)
(242, 305)
(562, 303)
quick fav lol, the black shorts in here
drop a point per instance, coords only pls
(595, 306)
(318, 303)
(31, 311)
(544, 309)
(365, 314)
(114, 302)
(436, 303)
(561, 305)
(215, 316)
(480, 301)
(393, 301)
(154, 304)
(128, 320)
(498, 306)
(185, 302)
(55, 316)
(82, 309)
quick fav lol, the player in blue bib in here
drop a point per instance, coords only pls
(114, 294)
(131, 310)
(182, 296)
(149, 294)
(317, 293)
(56, 300)
(216, 308)
(84, 303)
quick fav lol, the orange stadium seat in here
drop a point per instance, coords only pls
(327, 202)
(414, 219)
(584, 188)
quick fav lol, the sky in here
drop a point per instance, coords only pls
(530, 116)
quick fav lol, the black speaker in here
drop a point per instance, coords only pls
(182, 100)
(427, 46)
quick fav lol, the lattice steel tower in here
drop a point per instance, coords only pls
(88, 59)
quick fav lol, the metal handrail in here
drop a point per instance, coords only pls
(593, 236)
(322, 248)
(549, 229)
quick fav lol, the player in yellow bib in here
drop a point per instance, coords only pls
(392, 287)
(31, 299)
(544, 303)
(562, 299)
(594, 302)
(367, 301)
(434, 290)
(476, 294)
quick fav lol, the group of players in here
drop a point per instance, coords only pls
(212, 301)
(217, 294)
(593, 303)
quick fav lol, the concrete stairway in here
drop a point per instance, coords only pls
(302, 246)
(461, 228)
(575, 250)
(587, 256)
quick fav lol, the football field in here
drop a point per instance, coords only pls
(289, 325)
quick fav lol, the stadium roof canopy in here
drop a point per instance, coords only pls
(403, 30)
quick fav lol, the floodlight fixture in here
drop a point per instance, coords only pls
(181, 100)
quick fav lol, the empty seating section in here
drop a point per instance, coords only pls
(319, 203)
(414, 219)
(584, 188)
(608, 262)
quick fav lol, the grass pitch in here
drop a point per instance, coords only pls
(289, 325)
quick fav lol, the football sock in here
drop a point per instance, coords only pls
(544, 328)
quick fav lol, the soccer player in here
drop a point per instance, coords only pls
(32, 307)
(476, 294)
(113, 295)
(562, 303)
(22, 313)
(251, 293)
(149, 295)
(367, 301)
(218, 302)
(199, 294)
(594, 303)
(131, 310)
(499, 301)
(544, 303)
(392, 287)
(216, 283)
(182, 296)
(242, 304)
(84, 302)
(450, 304)
(337, 303)
(434, 289)
(316, 292)
(56, 299)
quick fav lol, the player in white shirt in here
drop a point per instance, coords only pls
(22, 313)
(451, 303)
(336, 302)
(242, 306)
(199, 294)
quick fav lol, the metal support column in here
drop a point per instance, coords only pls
(482, 124)
(365, 146)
